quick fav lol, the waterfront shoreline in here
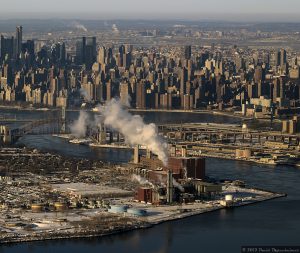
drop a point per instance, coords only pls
(199, 111)
(146, 225)
(247, 160)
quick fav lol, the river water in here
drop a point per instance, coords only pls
(275, 222)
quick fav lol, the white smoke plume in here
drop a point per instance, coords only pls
(177, 185)
(141, 180)
(79, 127)
(85, 95)
(161, 180)
(115, 28)
(79, 26)
(132, 127)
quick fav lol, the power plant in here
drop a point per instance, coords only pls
(177, 181)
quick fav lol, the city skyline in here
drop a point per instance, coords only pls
(134, 126)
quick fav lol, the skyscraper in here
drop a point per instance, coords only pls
(18, 41)
(124, 93)
(86, 51)
(79, 52)
(183, 79)
(90, 52)
(62, 53)
(277, 58)
(282, 57)
(141, 95)
(7, 47)
(187, 52)
(258, 74)
(28, 47)
(101, 55)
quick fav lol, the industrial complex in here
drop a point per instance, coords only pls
(47, 196)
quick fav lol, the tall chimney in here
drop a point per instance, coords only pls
(170, 187)
(148, 154)
(102, 134)
(136, 157)
(183, 151)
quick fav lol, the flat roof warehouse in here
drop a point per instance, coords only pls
(83, 190)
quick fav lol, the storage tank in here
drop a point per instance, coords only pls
(229, 197)
(37, 208)
(117, 209)
(137, 212)
(60, 207)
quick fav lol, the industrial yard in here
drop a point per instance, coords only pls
(46, 196)
(51, 196)
(227, 141)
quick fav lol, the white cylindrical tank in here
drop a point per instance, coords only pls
(117, 209)
(229, 197)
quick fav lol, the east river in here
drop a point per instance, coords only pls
(275, 222)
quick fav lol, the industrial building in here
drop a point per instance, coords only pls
(83, 190)
(291, 126)
(167, 179)
(182, 179)
(243, 153)
(144, 194)
(181, 167)
(8, 134)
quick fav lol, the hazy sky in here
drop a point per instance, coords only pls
(193, 9)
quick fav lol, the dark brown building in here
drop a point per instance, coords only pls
(141, 95)
(144, 195)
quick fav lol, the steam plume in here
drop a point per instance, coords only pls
(79, 26)
(115, 28)
(84, 93)
(135, 131)
(177, 185)
(141, 180)
(78, 129)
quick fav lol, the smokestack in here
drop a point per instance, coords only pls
(136, 157)
(111, 137)
(170, 187)
(148, 154)
(183, 151)
(101, 135)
